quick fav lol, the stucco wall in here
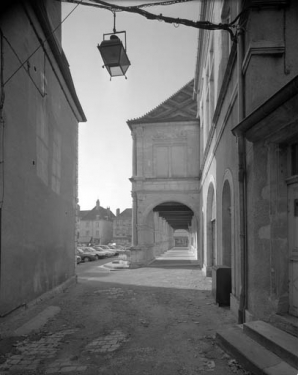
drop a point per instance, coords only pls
(270, 59)
(267, 231)
(40, 158)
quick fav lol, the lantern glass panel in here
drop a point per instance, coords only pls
(124, 62)
(110, 53)
(115, 71)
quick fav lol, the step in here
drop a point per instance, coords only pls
(285, 322)
(163, 263)
(251, 355)
(277, 341)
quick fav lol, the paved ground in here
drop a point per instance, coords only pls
(158, 320)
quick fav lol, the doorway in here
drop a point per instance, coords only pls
(226, 225)
(293, 247)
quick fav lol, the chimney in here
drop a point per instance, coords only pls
(97, 204)
(118, 212)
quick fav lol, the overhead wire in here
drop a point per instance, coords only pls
(42, 43)
(207, 25)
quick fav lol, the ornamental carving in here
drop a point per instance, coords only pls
(163, 135)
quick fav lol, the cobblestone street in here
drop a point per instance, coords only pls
(151, 321)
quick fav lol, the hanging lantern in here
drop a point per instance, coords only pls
(113, 53)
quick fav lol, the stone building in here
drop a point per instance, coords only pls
(246, 96)
(96, 225)
(228, 165)
(165, 181)
(39, 115)
(122, 231)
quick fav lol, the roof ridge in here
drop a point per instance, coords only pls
(161, 104)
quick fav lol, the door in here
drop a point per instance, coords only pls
(213, 249)
(293, 247)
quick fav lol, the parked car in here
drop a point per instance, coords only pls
(120, 249)
(78, 259)
(100, 254)
(114, 248)
(105, 247)
(106, 252)
(87, 254)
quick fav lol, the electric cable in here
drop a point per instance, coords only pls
(42, 43)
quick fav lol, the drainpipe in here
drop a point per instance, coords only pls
(242, 183)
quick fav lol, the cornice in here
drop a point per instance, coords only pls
(263, 47)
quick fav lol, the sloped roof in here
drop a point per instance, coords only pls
(179, 107)
(103, 214)
(82, 213)
(126, 213)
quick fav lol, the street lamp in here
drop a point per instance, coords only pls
(113, 53)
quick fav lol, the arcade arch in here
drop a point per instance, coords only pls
(164, 220)
(211, 229)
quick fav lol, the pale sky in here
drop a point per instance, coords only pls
(162, 61)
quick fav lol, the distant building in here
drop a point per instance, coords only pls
(181, 237)
(96, 225)
(122, 227)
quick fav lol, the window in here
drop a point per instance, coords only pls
(170, 160)
(87, 223)
(162, 161)
(87, 232)
(178, 161)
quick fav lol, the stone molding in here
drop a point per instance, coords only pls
(262, 47)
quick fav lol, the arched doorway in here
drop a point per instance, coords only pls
(226, 225)
(211, 230)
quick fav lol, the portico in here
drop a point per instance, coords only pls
(165, 181)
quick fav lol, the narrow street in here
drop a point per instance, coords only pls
(156, 320)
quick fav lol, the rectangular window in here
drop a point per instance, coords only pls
(87, 232)
(178, 161)
(162, 161)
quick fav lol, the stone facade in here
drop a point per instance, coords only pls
(38, 170)
(234, 161)
(247, 100)
(165, 168)
(96, 225)
(122, 231)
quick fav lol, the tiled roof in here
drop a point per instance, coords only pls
(82, 213)
(179, 107)
(126, 213)
(103, 214)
